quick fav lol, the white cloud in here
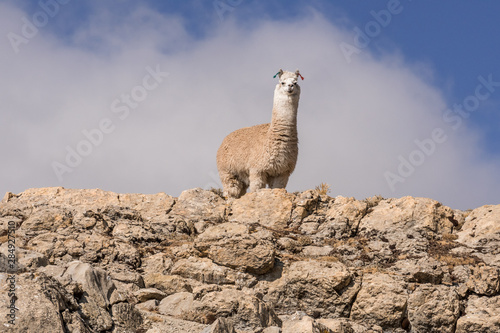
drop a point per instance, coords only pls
(355, 120)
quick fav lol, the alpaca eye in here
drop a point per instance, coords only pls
(282, 83)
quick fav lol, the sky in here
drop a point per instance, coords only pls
(400, 97)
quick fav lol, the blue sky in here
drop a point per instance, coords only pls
(381, 120)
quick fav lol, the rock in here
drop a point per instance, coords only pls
(422, 306)
(480, 231)
(317, 251)
(146, 294)
(177, 305)
(199, 205)
(343, 217)
(324, 287)
(231, 244)
(482, 315)
(126, 317)
(243, 309)
(96, 261)
(221, 325)
(381, 301)
(484, 280)
(204, 270)
(169, 284)
(304, 325)
(38, 300)
(151, 305)
(271, 208)
(408, 223)
(95, 282)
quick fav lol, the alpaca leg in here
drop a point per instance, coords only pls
(257, 181)
(233, 188)
(279, 182)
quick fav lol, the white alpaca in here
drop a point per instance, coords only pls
(263, 154)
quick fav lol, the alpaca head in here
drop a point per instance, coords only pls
(288, 83)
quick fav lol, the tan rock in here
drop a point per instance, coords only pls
(433, 308)
(480, 231)
(381, 301)
(176, 305)
(484, 280)
(314, 286)
(34, 299)
(199, 205)
(231, 244)
(206, 271)
(304, 325)
(244, 309)
(169, 284)
(269, 207)
(482, 315)
(146, 294)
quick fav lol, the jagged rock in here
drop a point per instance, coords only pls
(169, 284)
(94, 282)
(381, 301)
(199, 205)
(231, 244)
(126, 317)
(269, 207)
(221, 325)
(343, 217)
(91, 260)
(204, 270)
(433, 308)
(482, 315)
(38, 300)
(408, 223)
(177, 304)
(146, 294)
(323, 287)
(245, 310)
(304, 325)
(480, 231)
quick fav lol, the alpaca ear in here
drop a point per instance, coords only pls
(278, 74)
(298, 74)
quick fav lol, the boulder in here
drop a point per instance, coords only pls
(271, 208)
(381, 301)
(482, 315)
(232, 245)
(433, 308)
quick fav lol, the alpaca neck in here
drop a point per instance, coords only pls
(284, 119)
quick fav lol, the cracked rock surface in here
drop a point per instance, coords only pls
(269, 262)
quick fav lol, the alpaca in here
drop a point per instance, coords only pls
(263, 154)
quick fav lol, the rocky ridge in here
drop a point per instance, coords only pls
(270, 262)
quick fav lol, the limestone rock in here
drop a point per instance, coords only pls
(480, 231)
(245, 310)
(407, 223)
(231, 244)
(204, 270)
(199, 205)
(38, 299)
(304, 325)
(97, 261)
(269, 207)
(482, 315)
(324, 287)
(433, 308)
(381, 301)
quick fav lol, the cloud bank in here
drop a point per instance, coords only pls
(135, 103)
